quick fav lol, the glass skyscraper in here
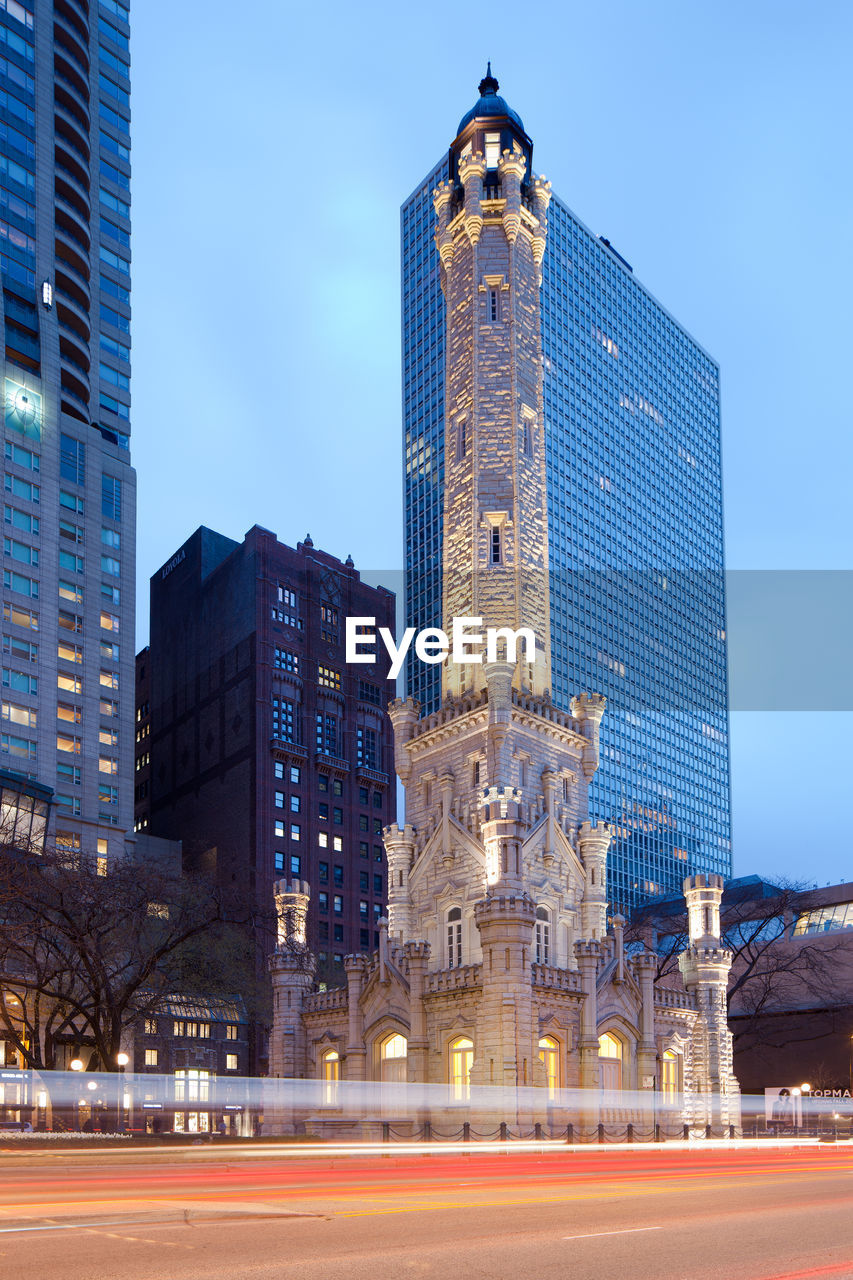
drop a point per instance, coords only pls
(635, 537)
(69, 489)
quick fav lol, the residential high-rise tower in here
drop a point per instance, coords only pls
(69, 489)
(635, 534)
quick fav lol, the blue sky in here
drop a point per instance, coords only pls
(709, 142)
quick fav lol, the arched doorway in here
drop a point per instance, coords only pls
(460, 1063)
(549, 1054)
(393, 1052)
(610, 1058)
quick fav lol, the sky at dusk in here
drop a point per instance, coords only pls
(273, 146)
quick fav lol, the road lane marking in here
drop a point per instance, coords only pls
(626, 1231)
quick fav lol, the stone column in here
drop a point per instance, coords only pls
(400, 852)
(356, 1051)
(417, 956)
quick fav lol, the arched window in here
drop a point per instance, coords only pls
(543, 936)
(669, 1076)
(392, 1058)
(549, 1053)
(330, 1074)
(454, 937)
(461, 1061)
(610, 1061)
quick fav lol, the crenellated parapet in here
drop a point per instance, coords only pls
(472, 171)
(588, 711)
(704, 894)
(511, 167)
(403, 714)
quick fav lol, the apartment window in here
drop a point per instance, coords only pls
(363, 881)
(279, 861)
(328, 623)
(337, 844)
(109, 679)
(107, 795)
(279, 799)
(377, 826)
(338, 933)
(295, 804)
(367, 749)
(295, 865)
(18, 681)
(363, 908)
(323, 900)
(377, 799)
(70, 591)
(294, 775)
(284, 719)
(370, 692)
(106, 764)
(295, 831)
(231, 1031)
(338, 875)
(151, 1026)
(109, 738)
(110, 565)
(461, 440)
(363, 850)
(338, 904)
(68, 774)
(377, 884)
(151, 1057)
(328, 677)
(66, 743)
(21, 520)
(109, 622)
(279, 830)
(363, 822)
(20, 583)
(377, 853)
(20, 617)
(66, 711)
(327, 733)
(231, 1062)
(323, 872)
(286, 661)
(110, 497)
(543, 936)
(108, 707)
(363, 795)
(72, 459)
(70, 621)
(337, 816)
(14, 745)
(69, 652)
(23, 650)
(322, 782)
(323, 839)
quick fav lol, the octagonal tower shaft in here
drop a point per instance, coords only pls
(495, 557)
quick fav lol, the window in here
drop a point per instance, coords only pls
(377, 799)
(294, 774)
(370, 692)
(322, 782)
(279, 861)
(363, 795)
(461, 440)
(110, 565)
(65, 743)
(543, 936)
(323, 900)
(377, 883)
(109, 679)
(549, 1054)
(363, 850)
(231, 1031)
(192, 1085)
(151, 1026)
(70, 621)
(295, 831)
(72, 459)
(338, 875)
(323, 872)
(363, 881)
(337, 787)
(454, 937)
(338, 904)
(66, 711)
(328, 677)
(231, 1063)
(70, 591)
(327, 733)
(670, 1085)
(337, 844)
(393, 1053)
(610, 1061)
(279, 799)
(461, 1062)
(495, 545)
(23, 650)
(151, 1056)
(493, 150)
(337, 816)
(494, 306)
(284, 719)
(328, 624)
(18, 582)
(286, 661)
(20, 617)
(110, 497)
(367, 749)
(69, 652)
(330, 1074)
(323, 839)
(21, 520)
(295, 865)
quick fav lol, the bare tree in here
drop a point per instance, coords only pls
(771, 969)
(83, 956)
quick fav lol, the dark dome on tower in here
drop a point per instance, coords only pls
(489, 104)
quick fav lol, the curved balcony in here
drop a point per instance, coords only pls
(69, 40)
(72, 226)
(73, 350)
(68, 193)
(74, 376)
(73, 405)
(73, 317)
(68, 127)
(70, 78)
(71, 257)
(70, 102)
(75, 289)
(70, 164)
(74, 10)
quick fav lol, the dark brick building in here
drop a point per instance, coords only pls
(258, 747)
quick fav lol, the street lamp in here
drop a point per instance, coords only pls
(122, 1059)
(76, 1064)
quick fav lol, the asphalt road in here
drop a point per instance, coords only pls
(198, 1214)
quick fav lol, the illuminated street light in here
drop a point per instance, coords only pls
(91, 1084)
(122, 1059)
(806, 1088)
(76, 1064)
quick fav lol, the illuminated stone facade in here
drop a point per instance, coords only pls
(496, 966)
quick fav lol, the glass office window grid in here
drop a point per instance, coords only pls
(636, 539)
(64, 181)
(423, 424)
